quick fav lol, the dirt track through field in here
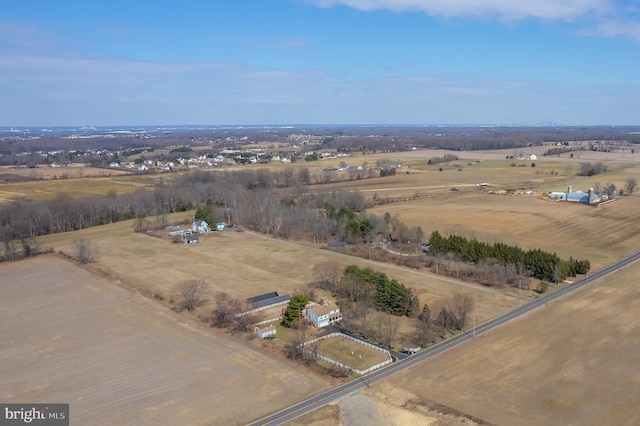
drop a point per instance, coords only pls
(118, 358)
(384, 265)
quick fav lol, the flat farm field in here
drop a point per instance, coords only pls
(50, 173)
(245, 264)
(117, 358)
(601, 234)
(574, 361)
(75, 188)
(451, 202)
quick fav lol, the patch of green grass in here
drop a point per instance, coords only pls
(350, 353)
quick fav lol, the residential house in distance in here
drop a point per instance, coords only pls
(200, 227)
(324, 315)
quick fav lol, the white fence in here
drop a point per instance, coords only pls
(361, 342)
(267, 321)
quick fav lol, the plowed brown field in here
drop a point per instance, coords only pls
(70, 337)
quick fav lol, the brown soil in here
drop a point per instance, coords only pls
(119, 358)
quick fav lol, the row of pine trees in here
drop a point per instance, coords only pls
(542, 265)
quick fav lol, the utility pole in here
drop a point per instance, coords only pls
(520, 289)
(474, 324)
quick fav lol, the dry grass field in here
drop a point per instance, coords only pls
(245, 264)
(69, 336)
(572, 362)
(496, 378)
(73, 171)
(601, 234)
(75, 188)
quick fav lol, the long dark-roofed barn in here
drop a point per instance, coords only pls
(267, 299)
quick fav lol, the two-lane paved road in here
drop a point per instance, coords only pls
(325, 398)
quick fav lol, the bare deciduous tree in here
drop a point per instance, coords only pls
(390, 329)
(192, 293)
(243, 322)
(314, 350)
(8, 242)
(630, 185)
(385, 329)
(610, 189)
(452, 313)
(295, 348)
(30, 246)
(225, 310)
(461, 305)
(84, 251)
(424, 328)
(327, 274)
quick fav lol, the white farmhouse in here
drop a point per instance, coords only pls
(200, 226)
(324, 315)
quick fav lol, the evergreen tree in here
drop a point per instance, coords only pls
(542, 265)
(390, 296)
(293, 312)
(206, 213)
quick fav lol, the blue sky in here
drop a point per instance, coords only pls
(319, 62)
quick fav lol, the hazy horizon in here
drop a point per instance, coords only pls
(312, 62)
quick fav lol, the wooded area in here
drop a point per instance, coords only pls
(541, 265)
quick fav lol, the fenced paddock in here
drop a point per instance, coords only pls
(348, 352)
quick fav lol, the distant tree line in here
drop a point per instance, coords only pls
(446, 158)
(588, 169)
(272, 202)
(28, 148)
(405, 138)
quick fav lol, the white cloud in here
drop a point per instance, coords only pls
(502, 9)
(617, 28)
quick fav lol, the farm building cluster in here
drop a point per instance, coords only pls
(589, 197)
(319, 315)
(198, 227)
